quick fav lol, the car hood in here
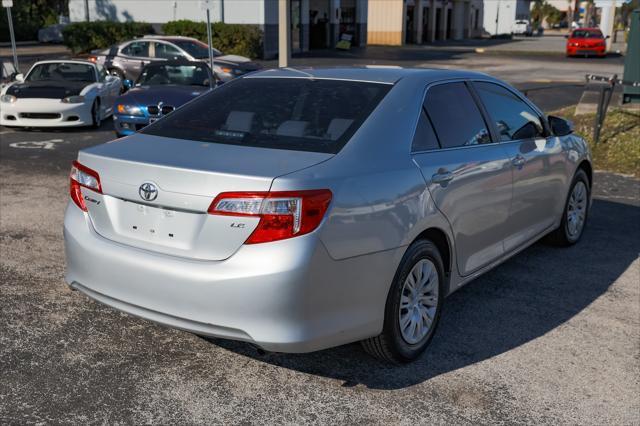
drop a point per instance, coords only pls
(47, 89)
(169, 95)
(237, 62)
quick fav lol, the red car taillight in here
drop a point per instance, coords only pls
(83, 176)
(282, 214)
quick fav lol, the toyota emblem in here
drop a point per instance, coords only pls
(148, 191)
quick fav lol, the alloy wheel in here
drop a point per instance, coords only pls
(418, 301)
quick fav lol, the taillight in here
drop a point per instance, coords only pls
(282, 214)
(82, 176)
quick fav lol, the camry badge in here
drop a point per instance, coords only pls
(148, 191)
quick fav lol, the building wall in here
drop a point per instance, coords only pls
(385, 22)
(160, 12)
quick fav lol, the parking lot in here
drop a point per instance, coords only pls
(551, 336)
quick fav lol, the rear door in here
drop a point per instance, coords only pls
(468, 175)
(537, 161)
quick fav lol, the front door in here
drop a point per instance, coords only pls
(537, 162)
(468, 176)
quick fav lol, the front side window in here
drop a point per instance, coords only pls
(281, 113)
(514, 119)
(102, 73)
(137, 49)
(197, 49)
(166, 51)
(456, 119)
(62, 71)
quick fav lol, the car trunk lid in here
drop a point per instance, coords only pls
(186, 176)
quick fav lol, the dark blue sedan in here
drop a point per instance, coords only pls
(160, 88)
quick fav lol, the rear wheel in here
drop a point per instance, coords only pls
(413, 306)
(576, 210)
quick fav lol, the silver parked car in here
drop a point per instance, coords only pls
(304, 209)
(127, 60)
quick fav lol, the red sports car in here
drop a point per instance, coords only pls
(586, 42)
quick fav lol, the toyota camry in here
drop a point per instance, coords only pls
(304, 209)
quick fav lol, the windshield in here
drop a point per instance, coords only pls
(282, 113)
(586, 34)
(183, 75)
(196, 49)
(62, 71)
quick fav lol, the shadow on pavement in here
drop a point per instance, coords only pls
(523, 299)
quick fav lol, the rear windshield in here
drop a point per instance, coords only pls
(283, 113)
(586, 34)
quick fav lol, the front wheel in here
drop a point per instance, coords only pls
(413, 306)
(574, 215)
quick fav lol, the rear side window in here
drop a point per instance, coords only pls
(513, 118)
(455, 116)
(283, 113)
(137, 48)
(424, 139)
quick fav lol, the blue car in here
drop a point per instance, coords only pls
(160, 88)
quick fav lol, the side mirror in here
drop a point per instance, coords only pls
(560, 126)
(566, 36)
(127, 84)
(20, 78)
(607, 36)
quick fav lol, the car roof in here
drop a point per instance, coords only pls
(66, 61)
(166, 37)
(371, 74)
(176, 62)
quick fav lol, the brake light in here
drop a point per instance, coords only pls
(283, 214)
(82, 176)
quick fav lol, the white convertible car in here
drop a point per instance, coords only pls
(60, 93)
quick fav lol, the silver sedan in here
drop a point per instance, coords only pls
(304, 209)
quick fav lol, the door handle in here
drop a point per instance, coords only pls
(442, 177)
(518, 161)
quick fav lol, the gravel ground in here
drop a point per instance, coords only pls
(552, 336)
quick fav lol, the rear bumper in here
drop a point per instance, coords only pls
(67, 115)
(287, 296)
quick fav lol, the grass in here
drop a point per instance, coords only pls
(619, 147)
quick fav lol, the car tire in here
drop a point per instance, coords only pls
(576, 206)
(392, 345)
(96, 119)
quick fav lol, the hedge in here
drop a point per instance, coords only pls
(237, 39)
(86, 36)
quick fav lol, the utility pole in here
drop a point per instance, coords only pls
(284, 33)
(86, 11)
(8, 4)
